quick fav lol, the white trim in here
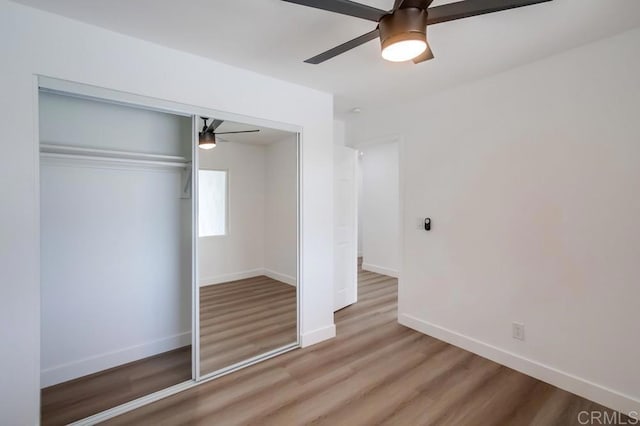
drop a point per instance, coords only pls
(299, 236)
(195, 242)
(233, 276)
(401, 204)
(318, 335)
(287, 279)
(100, 94)
(35, 151)
(82, 367)
(380, 270)
(251, 273)
(569, 382)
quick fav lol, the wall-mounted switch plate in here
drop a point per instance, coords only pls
(518, 330)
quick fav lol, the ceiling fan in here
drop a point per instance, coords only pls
(207, 137)
(403, 29)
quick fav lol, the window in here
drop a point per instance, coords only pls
(212, 203)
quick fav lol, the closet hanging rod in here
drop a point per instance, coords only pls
(96, 153)
(113, 160)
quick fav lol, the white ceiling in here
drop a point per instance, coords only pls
(273, 38)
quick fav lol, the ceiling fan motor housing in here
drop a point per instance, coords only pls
(404, 24)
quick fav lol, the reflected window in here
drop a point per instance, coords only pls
(212, 203)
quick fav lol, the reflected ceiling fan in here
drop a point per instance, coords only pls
(403, 29)
(207, 137)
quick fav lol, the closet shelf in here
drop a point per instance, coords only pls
(112, 156)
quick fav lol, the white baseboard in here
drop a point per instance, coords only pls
(561, 379)
(62, 373)
(318, 335)
(380, 270)
(234, 276)
(287, 279)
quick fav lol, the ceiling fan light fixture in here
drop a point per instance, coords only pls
(207, 140)
(403, 34)
(404, 50)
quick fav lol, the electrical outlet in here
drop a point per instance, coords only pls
(518, 330)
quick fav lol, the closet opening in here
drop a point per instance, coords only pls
(163, 264)
(116, 254)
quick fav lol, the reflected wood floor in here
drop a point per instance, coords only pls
(245, 318)
(374, 372)
(88, 395)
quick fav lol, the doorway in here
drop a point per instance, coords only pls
(379, 224)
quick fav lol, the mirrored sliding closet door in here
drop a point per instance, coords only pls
(247, 243)
(116, 254)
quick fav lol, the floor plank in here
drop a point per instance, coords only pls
(245, 318)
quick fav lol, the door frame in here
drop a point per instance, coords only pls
(400, 140)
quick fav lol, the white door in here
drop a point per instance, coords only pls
(345, 227)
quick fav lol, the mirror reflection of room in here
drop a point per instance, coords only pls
(247, 252)
(116, 238)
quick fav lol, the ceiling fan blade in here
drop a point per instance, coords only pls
(420, 4)
(468, 8)
(343, 47)
(344, 7)
(241, 131)
(215, 124)
(424, 56)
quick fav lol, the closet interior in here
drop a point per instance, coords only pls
(116, 256)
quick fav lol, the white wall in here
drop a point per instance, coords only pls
(262, 227)
(240, 253)
(113, 240)
(42, 43)
(531, 178)
(280, 218)
(380, 208)
(339, 132)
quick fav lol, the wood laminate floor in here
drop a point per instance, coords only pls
(88, 395)
(245, 318)
(374, 372)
